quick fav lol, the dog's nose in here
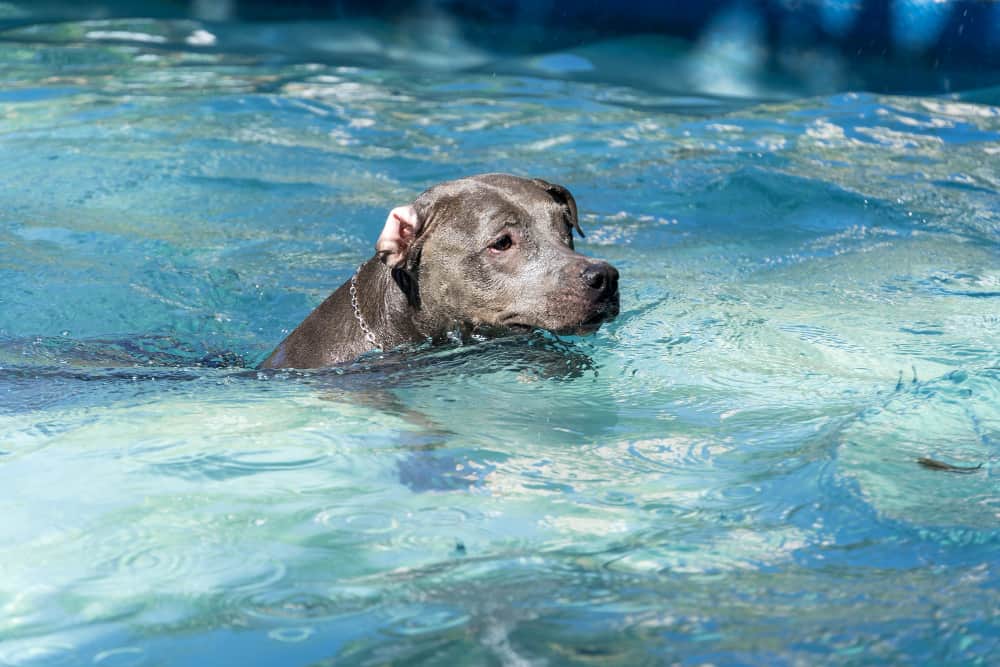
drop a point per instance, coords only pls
(600, 277)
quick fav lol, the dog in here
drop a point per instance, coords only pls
(484, 255)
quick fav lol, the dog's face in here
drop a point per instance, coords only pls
(496, 252)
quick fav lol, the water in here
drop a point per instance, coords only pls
(725, 474)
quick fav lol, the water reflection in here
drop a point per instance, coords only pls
(730, 48)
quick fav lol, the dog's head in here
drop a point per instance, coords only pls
(495, 251)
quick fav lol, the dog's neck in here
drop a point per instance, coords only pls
(382, 314)
(369, 335)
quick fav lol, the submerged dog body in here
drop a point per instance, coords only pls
(484, 254)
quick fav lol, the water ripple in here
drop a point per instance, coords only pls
(126, 656)
(40, 654)
(952, 419)
(422, 619)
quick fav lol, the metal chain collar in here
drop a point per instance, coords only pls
(369, 334)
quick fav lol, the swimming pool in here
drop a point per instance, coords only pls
(725, 474)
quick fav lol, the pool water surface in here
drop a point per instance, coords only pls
(725, 474)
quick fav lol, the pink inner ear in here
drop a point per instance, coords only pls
(401, 227)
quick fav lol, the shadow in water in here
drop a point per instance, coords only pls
(57, 373)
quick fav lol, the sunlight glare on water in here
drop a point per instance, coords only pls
(727, 473)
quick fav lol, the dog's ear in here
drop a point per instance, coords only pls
(562, 196)
(397, 237)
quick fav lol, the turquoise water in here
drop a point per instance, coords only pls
(726, 474)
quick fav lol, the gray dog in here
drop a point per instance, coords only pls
(486, 254)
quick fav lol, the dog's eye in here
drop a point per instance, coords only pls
(505, 242)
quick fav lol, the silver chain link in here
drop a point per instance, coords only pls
(369, 334)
